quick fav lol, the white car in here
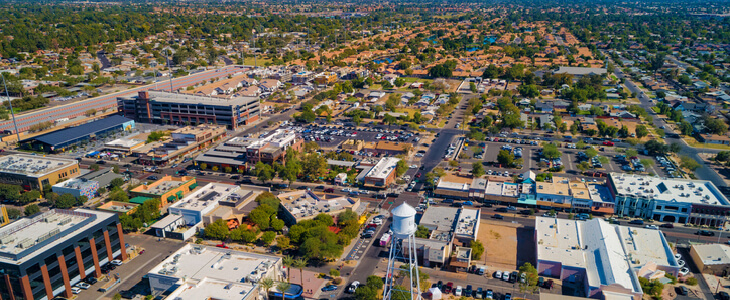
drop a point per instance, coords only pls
(652, 227)
(76, 290)
(413, 167)
(457, 291)
(681, 263)
(498, 274)
(678, 256)
(505, 276)
(116, 262)
(347, 190)
(83, 285)
(683, 271)
(378, 221)
(351, 289)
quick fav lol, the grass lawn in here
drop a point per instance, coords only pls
(442, 123)
(655, 109)
(259, 61)
(695, 144)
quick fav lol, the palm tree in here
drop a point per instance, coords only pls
(267, 284)
(300, 264)
(288, 261)
(283, 287)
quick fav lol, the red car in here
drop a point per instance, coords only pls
(608, 143)
(329, 190)
(448, 287)
(418, 175)
(222, 246)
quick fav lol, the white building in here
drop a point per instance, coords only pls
(605, 258)
(203, 201)
(204, 272)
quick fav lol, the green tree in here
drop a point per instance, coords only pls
(217, 230)
(689, 163)
(531, 277)
(300, 264)
(94, 167)
(264, 172)
(32, 210)
(268, 237)
(117, 182)
(283, 287)
(30, 196)
(477, 169)
(477, 249)
(277, 224)
(267, 283)
(641, 131)
(550, 151)
(505, 158)
(261, 216)
(66, 201)
(288, 262)
(422, 232)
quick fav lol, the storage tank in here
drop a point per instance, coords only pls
(404, 221)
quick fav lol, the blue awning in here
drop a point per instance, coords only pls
(527, 201)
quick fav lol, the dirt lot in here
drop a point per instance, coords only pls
(506, 246)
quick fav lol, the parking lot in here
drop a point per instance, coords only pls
(330, 137)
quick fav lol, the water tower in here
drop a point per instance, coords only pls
(403, 249)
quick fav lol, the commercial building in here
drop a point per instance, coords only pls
(77, 187)
(204, 200)
(381, 174)
(124, 146)
(601, 257)
(182, 142)
(302, 77)
(205, 272)
(387, 147)
(168, 189)
(238, 152)
(72, 137)
(119, 208)
(34, 172)
(44, 256)
(697, 202)
(304, 205)
(711, 258)
(173, 108)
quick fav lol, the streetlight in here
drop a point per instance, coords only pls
(7, 93)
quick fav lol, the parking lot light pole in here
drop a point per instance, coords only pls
(7, 93)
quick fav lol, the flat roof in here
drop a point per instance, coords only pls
(306, 203)
(608, 253)
(76, 183)
(212, 289)
(18, 240)
(206, 196)
(124, 143)
(468, 222)
(33, 165)
(162, 185)
(77, 132)
(667, 189)
(167, 97)
(198, 262)
(440, 217)
(713, 254)
(383, 168)
(581, 71)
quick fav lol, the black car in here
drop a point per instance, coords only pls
(682, 290)
(152, 177)
(498, 217)
(100, 162)
(706, 233)
(440, 285)
(127, 166)
(91, 280)
(127, 294)
(723, 295)
(468, 291)
(501, 209)
(487, 205)
(636, 222)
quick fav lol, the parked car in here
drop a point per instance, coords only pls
(489, 294)
(667, 225)
(448, 287)
(329, 288)
(91, 280)
(116, 262)
(705, 233)
(507, 296)
(83, 285)
(498, 217)
(724, 295)
(479, 294)
(636, 222)
(75, 290)
(468, 291)
(652, 227)
(458, 291)
(682, 290)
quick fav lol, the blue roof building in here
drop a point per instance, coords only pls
(65, 139)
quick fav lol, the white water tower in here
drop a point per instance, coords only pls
(404, 229)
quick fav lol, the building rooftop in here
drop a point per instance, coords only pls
(439, 218)
(120, 207)
(468, 222)
(212, 289)
(713, 254)
(25, 236)
(609, 253)
(73, 133)
(383, 168)
(304, 203)
(196, 263)
(581, 71)
(208, 195)
(163, 185)
(76, 183)
(668, 189)
(159, 96)
(33, 165)
(124, 143)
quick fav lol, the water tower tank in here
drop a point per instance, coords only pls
(404, 220)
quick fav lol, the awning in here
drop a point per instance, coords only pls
(139, 200)
(171, 198)
(179, 194)
(527, 201)
(193, 186)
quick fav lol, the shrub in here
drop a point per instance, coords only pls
(337, 281)
(691, 281)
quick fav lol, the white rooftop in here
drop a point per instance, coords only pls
(212, 289)
(159, 96)
(610, 254)
(668, 189)
(454, 186)
(207, 196)
(29, 235)
(76, 183)
(33, 165)
(124, 143)
(439, 218)
(713, 254)
(382, 169)
(468, 222)
(306, 203)
(194, 263)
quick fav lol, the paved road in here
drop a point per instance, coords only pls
(703, 172)
(103, 59)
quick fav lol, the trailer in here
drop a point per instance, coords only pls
(385, 239)
(110, 283)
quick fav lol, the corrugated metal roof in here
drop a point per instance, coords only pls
(69, 134)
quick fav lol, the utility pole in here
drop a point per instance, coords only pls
(7, 93)
(254, 48)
